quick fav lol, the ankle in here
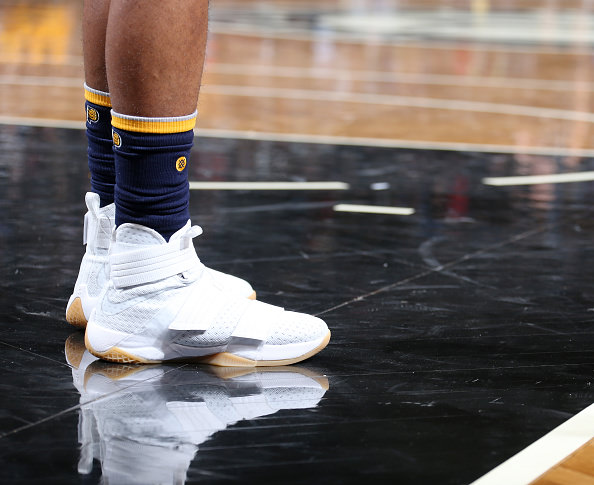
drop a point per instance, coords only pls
(151, 156)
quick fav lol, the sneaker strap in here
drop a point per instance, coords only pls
(154, 263)
(256, 321)
(255, 317)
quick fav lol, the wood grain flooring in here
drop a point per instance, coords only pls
(316, 85)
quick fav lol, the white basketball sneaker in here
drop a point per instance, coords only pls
(161, 304)
(94, 269)
(94, 273)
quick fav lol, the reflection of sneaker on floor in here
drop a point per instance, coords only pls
(94, 273)
(79, 358)
(160, 304)
(145, 423)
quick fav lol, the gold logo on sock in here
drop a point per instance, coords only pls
(92, 115)
(180, 164)
(117, 141)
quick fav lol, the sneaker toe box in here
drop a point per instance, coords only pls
(297, 328)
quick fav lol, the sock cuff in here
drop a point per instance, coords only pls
(100, 98)
(166, 125)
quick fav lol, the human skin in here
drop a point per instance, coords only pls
(148, 54)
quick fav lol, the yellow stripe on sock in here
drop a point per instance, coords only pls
(153, 125)
(96, 98)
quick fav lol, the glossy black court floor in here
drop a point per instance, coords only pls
(461, 334)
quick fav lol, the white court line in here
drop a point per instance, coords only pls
(394, 143)
(259, 31)
(393, 100)
(269, 186)
(335, 140)
(559, 178)
(54, 81)
(374, 209)
(41, 122)
(540, 456)
(397, 77)
(50, 60)
(222, 28)
(334, 74)
(349, 97)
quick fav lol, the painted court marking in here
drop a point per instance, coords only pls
(334, 140)
(302, 35)
(559, 178)
(540, 456)
(393, 77)
(332, 74)
(400, 101)
(374, 209)
(269, 186)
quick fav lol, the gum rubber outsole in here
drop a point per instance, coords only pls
(222, 359)
(76, 317)
(234, 372)
(74, 348)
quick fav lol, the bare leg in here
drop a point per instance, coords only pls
(95, 14)
(155, 55)
(154, 58)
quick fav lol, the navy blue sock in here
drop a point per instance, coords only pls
(100, 149)
(152, 183)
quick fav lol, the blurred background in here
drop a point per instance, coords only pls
(506, 76)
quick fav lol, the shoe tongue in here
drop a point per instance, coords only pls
(137, 235)
(108, 210)
(128, 235)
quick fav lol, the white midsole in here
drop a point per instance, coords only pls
(103, 339)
